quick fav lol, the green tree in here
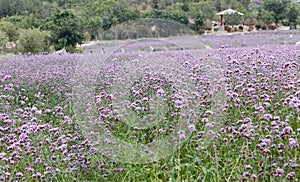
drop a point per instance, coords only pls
(99, 8)
(93, 26)
(173, 12)
(293, 13)
(278, 8)
(66, 30)
(3, 39)
(206, 9)
(32, 41)
(199, 22)
(97, 15)
(10, 29)
(265, 16)
(179, 16)
(9, 7)
(24, 22)
(38, 8)
(119, 15)
(221, 5)
(245, 3)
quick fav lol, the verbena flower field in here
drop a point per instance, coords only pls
(154, 111)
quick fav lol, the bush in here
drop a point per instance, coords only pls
(272, 27)
(10, 29)
(79, 50)
(250, 21)
(87, 36)
(3, 39)
(201, 31)
(285, 23)
(226, 27)
(32, 41)
(109, 36)
(70, 49)
(264, 27)
(208, 28)
(257, 26)
(241, 28)
(292, 26)
(251, 28)
(216, 29)
(65, 29)
(229, 29)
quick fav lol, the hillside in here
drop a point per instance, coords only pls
(66, 23)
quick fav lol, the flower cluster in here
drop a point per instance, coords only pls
(230, 113)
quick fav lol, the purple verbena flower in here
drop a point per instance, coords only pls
(279, 171)
(291, 175)
(293, 143)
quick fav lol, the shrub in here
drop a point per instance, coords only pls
(70, 49)
(3, 39)
(79, 50)
(32, 41)
(208, 28)
(250, 21)
(216, 29)
(10, 29)
(87, 36)
(285, 23)
(241, 28)
(257, 26)
(109, 36)
(65, 29)
(201, 31)
(272, 27)
(228, 29)
(250, 28)
(264, 27)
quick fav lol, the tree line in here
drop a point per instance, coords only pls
(44, 25)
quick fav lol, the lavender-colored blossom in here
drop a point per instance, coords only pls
(2, 154)
(287, 130)
(246, 174)
(294, 165)
(19, 174)
(178, 103)
(291, 175)
(181, 134)
(254, 176)
(57, 171)
(29, 170)
(160, 93)
(192, 127)
(247, 167)
(279, 171)
(204, 120)
(93, 150)
(259, 82)
(293, 143)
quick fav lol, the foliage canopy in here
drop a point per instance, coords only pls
(66, 30)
